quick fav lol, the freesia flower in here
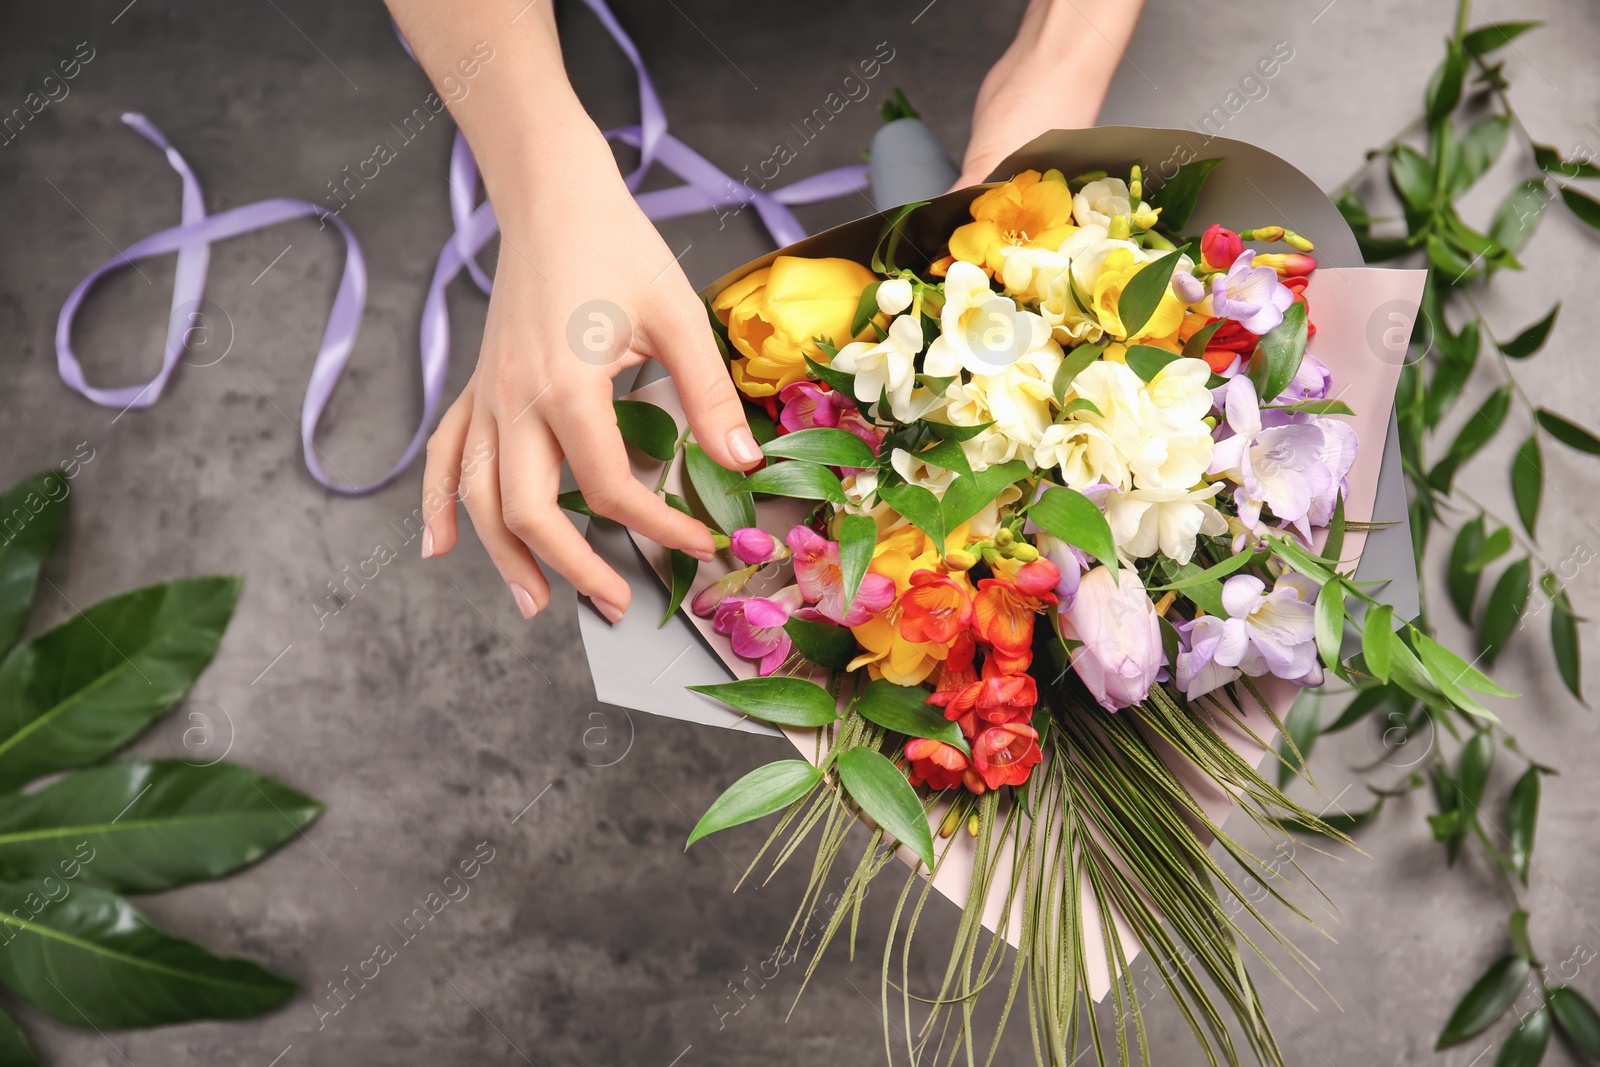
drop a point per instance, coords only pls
(1070, 564)
(1219, 248)
(1032, 210)
(821, 580)
(1106, 298)
(1251, 296)
(1000, 696)
(894, 295)
(935, 609)
(1005, 754)
(1016, 401)
(751, 544)
(930, 476)
(937, 765)
(1100, 201)
(1282, 466)
(1004, 608)
(1146, 521)
(810, 404)
(1187, 288)
(885, 367)
(1121, 652)
(756, 626)
(887, 653)
(980, 330)
(1264, 633)
(706, 600)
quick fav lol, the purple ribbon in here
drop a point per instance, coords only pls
(705, 188)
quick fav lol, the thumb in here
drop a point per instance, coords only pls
(716, 415)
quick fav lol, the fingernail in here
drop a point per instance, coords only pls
(612, 613)
(744, 447)
(427, 542)
(524, 601)
(704, 555)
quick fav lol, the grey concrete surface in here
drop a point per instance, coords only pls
(431, 718)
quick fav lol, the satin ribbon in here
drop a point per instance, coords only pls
(705, 188)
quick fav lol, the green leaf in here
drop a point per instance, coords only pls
(1549, 160)
(1210, 574)
(1330, 623)
(889, 237)
(684, 567)
(1364, 703)
(1472, 772)
(1144, 291)
(761, 792)
(1517, 927)
(76, 694)
(1504, 611)
(1461, 577)
(92, 960)
(1525, 1044)
(904, 709)
(15, 1051)
(573, 501)
(1071, 516)
(866, 309)
(795, 478)
(822, 444)
(1445, 256)
(1444, 88)
(1490, 549)
(1195, 346)
(1072, 364)
(822, 643)
(838, 379)
(966, 496)
(1441, 660)
(1568, 433)
(1480, 146)
(1518, 215)
(648, 428)
(1488, 999)
(1277, 357)
(1301, 727)
(953, 433)
(1147, 360)
(1527, 482)
(919, 507)
(149, 827)
(1333, 547)
(32, 515)
(1378, 641)
(1576, 1018)
(715, 486)
(1585, 207)
(1178, 194)
(1564, 636)
(1481, 426)
(1486, 39)
(1533, 338)
(1314, 407)
(946, 454)
(858, 536)
(785, 701)
(884, 794)
(1522, 817)
(1412, 176)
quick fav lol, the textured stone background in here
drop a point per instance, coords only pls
(428, 715)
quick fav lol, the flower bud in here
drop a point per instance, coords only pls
(1003, 536)
(1287, 264)
(706, 600)
(972, 825)
(1121, 228)
(1220, 247)
(1264, 233)
(960, 560)
(1298, 243)
(894, 296)
(753, 545)
(952, 819)
(1024, 552)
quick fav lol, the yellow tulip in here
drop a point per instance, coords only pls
(1029, 211)
(775, 315)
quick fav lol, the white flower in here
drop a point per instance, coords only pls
(1144, 521)
(1103, 200)
(1083, 453)
(934, 479)
(1018, 398)
(980, 330)
(1043, 278)
(986, 523)
(894, 296)
(888, 366)
(1089, 247)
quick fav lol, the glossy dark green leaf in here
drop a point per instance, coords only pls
(1177, 196)
(1551, 162)
(1458, 357)
(866, 309)
(858, 536)
(1314, 407)
(1462, 579)
(149, 827)
(1455, 678)
(1564, 636)
(1518, 215)
(838, 379)
(1486, 39)
(683, 568)
(1489, 998)
(883, 793)
(728, 511)
(1195, 346)
(32, 514)
(904, 709)
(1507, 602)
(1576, 1018)
(1363, 704)
(1533, 338)
(1472, 770)
(1147, 360)
(1527, 482)
(1526, 1042)
(1333, 546)
(1448, 258)
(1522, 817)
(1585, 207)
(1412, 176)
(647, 427)
(1517, 927)
(946, 455)
(1210, 574)
(1480, 146)
(1568, 433)
(1330, 623)
(15, 1050)
(1071, 516)
(1144, 291)
(1481, 426)
(785, 701)
(1490, 549)
(76, 694)
(822, 444)
(1444, 88)
(966, 496)
(91, 960)
(1377, 640)
(795, 478)
(761, 792)
(822, 643)
(1301, 728)
(1277, 358)
(573, 501)
(919, 507)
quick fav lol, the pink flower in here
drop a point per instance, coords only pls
(753, 545)
(706, 600)
(756, 626)
(816, 568)
(807, 405)
(1121, 652)
(1220, 247)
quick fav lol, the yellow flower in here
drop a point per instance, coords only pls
(889, 655)
(1119, 269)
(1029, 211)
(775, 315)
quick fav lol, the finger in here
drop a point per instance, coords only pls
(585, 425)
(684, 346)
(441, 477)
(530, 474)
(480, 492)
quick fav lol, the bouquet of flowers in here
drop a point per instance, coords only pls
(1059, 514)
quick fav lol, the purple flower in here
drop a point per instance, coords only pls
(756, 626)
(1249, 295)
(1281, 466)
(1310, 382)
(1187, 288)
(1121, 653)
(1265, 633)
(1070, 561)
(753, 545)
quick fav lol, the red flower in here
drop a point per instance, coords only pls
(1004, 754)
(1003, 610)
(1220, 247)
(934, 610)
(1000, 696)
(935, 764)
